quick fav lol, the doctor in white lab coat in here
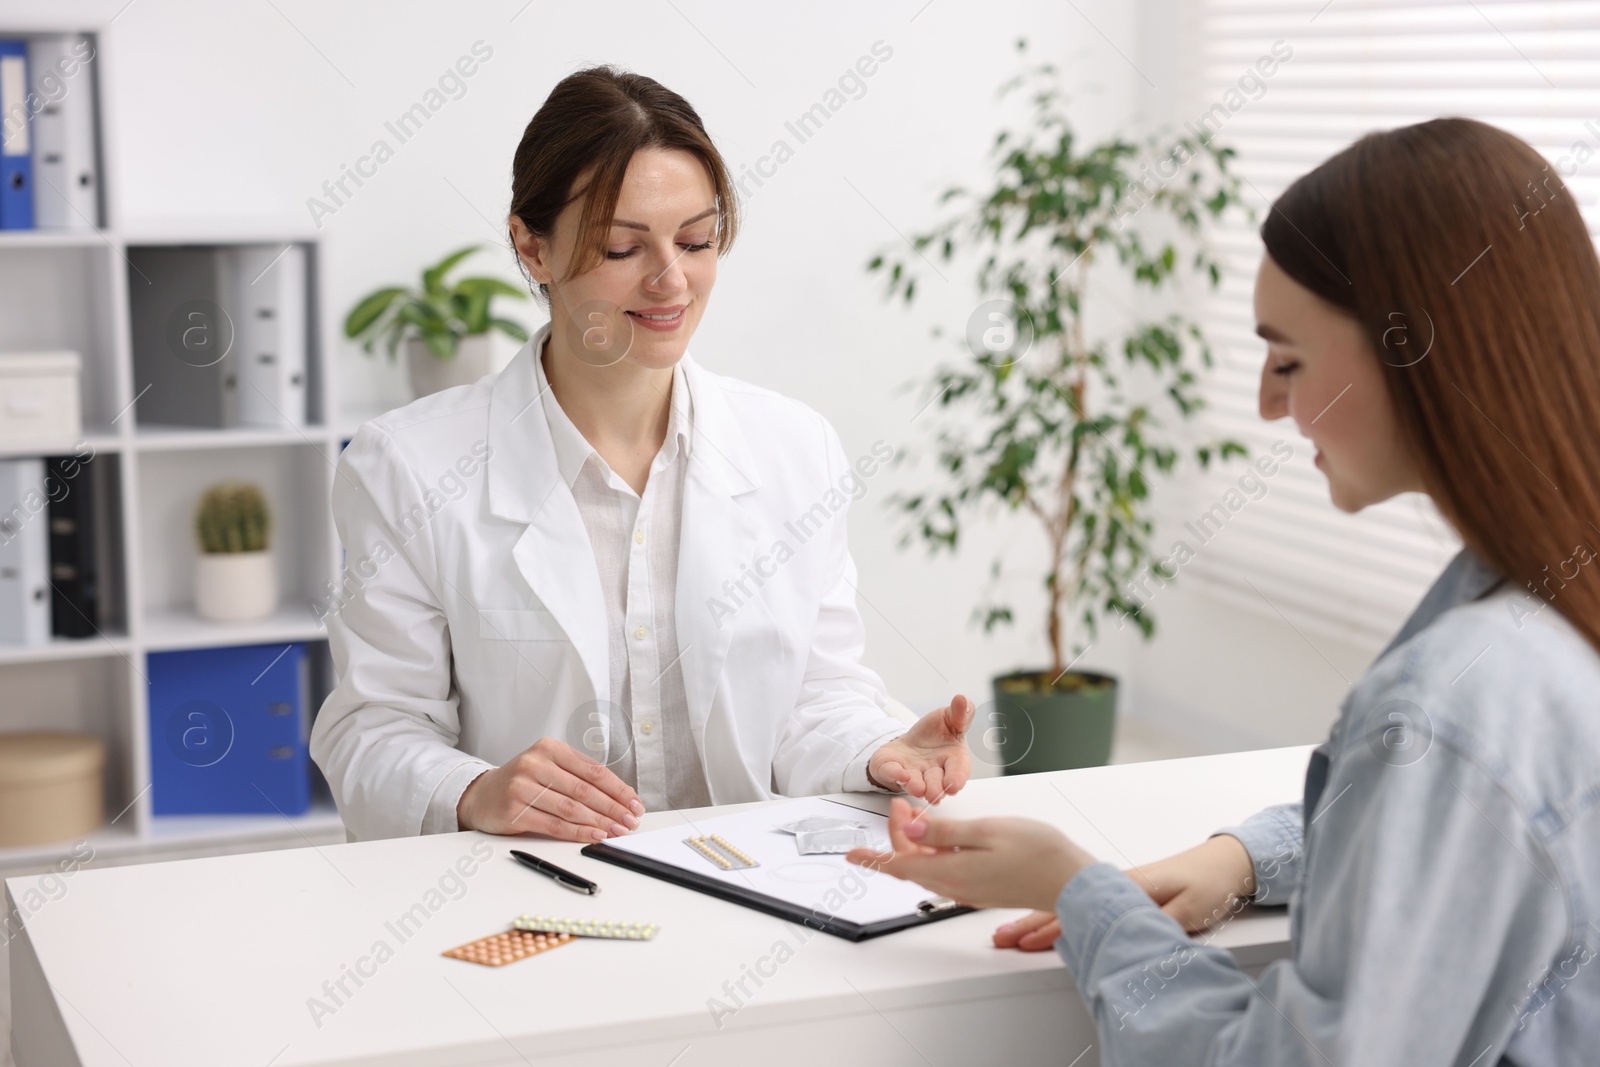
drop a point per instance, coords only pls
(606, 579)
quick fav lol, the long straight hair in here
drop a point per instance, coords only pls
(1463, 256)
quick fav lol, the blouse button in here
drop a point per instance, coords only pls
(647, 726)
(638, 537)
(641, 633)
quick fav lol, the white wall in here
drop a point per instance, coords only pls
(225, 115)
(1223, 676)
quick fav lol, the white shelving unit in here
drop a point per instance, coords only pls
(74, 290)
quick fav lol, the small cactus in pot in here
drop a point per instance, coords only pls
(233, 517)
(235, 579)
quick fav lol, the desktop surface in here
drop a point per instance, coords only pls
(332, 954)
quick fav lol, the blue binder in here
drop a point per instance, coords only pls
(16, 138)
(228, 730)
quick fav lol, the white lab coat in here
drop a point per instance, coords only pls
(470, 622)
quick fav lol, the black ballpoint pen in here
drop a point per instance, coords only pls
(550, 870)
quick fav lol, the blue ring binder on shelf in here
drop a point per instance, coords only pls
(16, 137)
(228, 730)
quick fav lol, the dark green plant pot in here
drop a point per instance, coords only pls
(1032, 728)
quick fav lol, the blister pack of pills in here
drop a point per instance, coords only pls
(508, 946)
(602, 928)
(716, 849)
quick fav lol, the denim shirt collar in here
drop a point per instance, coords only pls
(1465, 578)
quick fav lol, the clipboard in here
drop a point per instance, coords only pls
(665, 854)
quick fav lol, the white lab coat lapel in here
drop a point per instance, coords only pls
(553, 554)
(717, 534)
(556, 559)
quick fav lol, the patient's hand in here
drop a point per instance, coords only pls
(995, 862)
(1197, 887)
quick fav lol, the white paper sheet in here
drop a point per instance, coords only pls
(825, 884)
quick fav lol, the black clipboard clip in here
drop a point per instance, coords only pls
(936, 905)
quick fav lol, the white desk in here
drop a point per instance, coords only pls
(213, 961)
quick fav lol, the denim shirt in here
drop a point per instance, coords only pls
(1442, 873)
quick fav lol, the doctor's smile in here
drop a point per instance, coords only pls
(660, 318)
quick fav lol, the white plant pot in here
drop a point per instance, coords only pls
(430, 374)
(235, 586)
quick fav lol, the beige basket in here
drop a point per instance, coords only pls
(50, 786)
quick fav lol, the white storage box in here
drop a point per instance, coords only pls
(39, 396)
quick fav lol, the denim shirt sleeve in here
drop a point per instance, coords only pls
(1429, 908)
(1274, 838)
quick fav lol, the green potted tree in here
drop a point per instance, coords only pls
(444, 326)
(1045, 419)
(235, 579)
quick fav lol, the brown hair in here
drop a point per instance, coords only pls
(1465, 260)
(596, 119)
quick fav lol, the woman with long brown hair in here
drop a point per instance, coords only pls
(636, 592)
(1430, 299)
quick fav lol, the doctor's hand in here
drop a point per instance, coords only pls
(931, 759)
(997, 862)
(550, 788)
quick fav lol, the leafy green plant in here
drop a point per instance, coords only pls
(233, 517)
(440, 313)
(1050, 422)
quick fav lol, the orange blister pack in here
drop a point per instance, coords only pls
(508, 946)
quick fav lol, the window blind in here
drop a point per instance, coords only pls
(1528, 67)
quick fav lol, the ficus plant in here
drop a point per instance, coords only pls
(1041, 417)
(440, 312)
